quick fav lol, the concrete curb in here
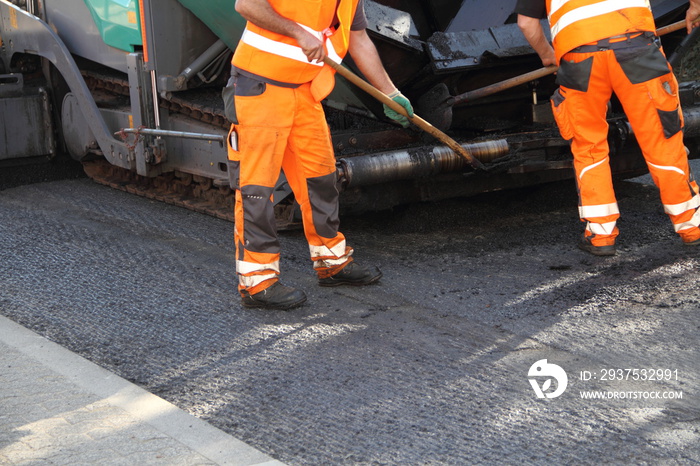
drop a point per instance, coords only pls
(149, 409)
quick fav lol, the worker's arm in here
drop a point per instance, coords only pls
(366, 57)
(534, 34)
(692, 16)
(261, 13)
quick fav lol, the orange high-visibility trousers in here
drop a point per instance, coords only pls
(282, 128)
(653, 109)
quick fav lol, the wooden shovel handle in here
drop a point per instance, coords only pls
(677, 26)
(502, 85)
(415, 119)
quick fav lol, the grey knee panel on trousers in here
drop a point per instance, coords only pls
(259, 228)
(323, 196)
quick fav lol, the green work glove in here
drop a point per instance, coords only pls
(400, 99)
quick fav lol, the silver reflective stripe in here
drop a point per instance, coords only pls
(289, 51)
(677, 209)
(591, 167)
(326, 263)
(250, 281)
(330, 50)
(313, 32)
(603, 210)
(601, 228)
(243, 267)
(591, 11)
(692, 223)
(277, 48)
(669, 168)
(324, 251)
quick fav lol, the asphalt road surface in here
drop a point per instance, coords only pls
(439, 363)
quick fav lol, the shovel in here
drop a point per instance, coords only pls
(441, 115)
(415, 119)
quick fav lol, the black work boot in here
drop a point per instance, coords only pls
(586, 245)
(276, 296)
(352, 274)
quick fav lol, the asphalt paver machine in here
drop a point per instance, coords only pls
(132, 89)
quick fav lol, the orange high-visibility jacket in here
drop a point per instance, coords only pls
(578, 22)
(279, 58)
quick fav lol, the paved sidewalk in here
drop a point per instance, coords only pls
(58, 408)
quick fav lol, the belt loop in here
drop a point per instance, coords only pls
(603, 44)
(651, 36)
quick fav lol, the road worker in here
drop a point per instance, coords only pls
(603, 47)
(278, 80)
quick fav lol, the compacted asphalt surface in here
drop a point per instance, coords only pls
(490, 338)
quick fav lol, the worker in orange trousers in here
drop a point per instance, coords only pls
(603, 48)
(278, 81)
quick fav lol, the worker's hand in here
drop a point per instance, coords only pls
(312, 47)
(692, 16)
(400, 99)
(547, 56)
(549, 61)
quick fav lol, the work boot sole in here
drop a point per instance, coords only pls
(281, 307)
(597, 250)
(341, 282)
(276, 296)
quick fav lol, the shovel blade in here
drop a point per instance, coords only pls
(434, 106)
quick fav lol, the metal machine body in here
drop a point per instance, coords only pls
(136, 85)
(25, 119)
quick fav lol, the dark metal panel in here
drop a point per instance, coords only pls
(25, 124)
(24, 33)
(199, 157)
(460, 50)
(394, 25)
